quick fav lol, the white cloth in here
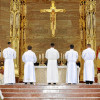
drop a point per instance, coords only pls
(71, 74)
(9, 73)
(52, 69)
(99, 55)
(1, 96)
(29, 58)
(1, 79)
(88, 55)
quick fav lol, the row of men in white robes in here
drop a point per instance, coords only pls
(29, 58)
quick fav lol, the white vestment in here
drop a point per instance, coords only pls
(99, 55)
(71, 75)
(88, 55)
(1, 79)
(1, 96)
(52, 69)
(9, 73)
(29, 58)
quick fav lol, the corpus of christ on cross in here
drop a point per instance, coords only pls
(53, 12)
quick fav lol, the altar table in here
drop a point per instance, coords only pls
(41, 74)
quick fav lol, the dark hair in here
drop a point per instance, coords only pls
(52, 44)
(29, 47)
(9, 42)
(88, 45)
(71, 46)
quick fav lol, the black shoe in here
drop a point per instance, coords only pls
(11, 83)
(87, 82)
(31, 82)
(25, 83)
(91, 82)
(49, 83)
(74, 83)
(54, 83)
(69, 83)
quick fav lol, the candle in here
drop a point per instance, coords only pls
(42, 56)
(61, 56)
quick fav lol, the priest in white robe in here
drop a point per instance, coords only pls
(71, 56)
(88, 55)
(9, 73)
(52, 68)
(29, 58)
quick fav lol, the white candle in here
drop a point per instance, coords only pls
(61, 56)
(42, 56)
(39, 56)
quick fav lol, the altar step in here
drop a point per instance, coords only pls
(52, 92)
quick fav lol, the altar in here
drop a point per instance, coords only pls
(41, 74)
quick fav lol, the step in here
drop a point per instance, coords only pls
(51, 95)
(68, 98)
(50, 86)
(78, 90)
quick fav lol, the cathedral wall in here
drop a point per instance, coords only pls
(38, 25)
(98, 29)
(98, 22)
(4, 23)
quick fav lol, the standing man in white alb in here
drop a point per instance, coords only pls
(88, 55)
(29, 58)
(9, 73)
(71, 56)
(52, 68)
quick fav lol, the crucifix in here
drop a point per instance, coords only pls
(53, 11)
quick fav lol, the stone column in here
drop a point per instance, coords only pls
(15, 30)
(82, 32)
(91, 26)
(22, 42)
(17, 33)
(87, 28)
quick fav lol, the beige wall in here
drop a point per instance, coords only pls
(98, 22)
(98, 28)
(4, 22)
(38, 25)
